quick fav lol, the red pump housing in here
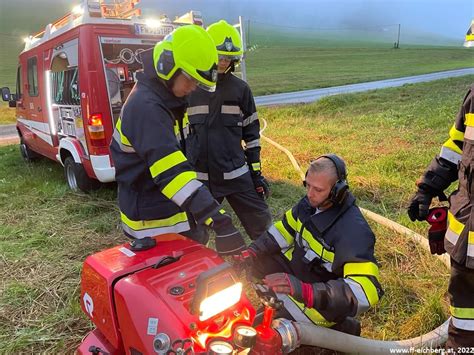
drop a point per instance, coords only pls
(137, 300)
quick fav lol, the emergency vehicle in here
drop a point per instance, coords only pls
(72, 80)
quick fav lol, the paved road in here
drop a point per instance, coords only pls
(314, 95)
(8, 133)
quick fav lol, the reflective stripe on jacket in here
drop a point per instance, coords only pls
(218, 124)
(333, 250)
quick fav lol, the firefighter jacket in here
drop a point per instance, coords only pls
(156, 184)
(335, 247)
(456, 162)
(218, 123)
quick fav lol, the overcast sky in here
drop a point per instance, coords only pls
(449, 18)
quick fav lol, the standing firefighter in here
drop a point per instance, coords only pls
(219, 122)
(157, 189)
(455, 162)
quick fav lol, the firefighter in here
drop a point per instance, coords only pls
(158, 191)
(455, 162)
(219, 122)
(320, 257)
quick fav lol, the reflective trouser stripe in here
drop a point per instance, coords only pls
(281, 235)
(470, 245)
(236, 173)
(462, 318)
(252, 144)
(362, 300)
(197, 110)
(250, 119)
(232, 110)
(202, 176)
(450, 155)
(142, 229)
(167, 163)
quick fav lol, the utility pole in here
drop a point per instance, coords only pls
(398, 38)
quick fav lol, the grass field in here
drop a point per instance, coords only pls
(387, 138)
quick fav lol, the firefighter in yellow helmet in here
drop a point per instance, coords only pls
(218, 124)
(158, 191)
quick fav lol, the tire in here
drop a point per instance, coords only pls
(77, 178)
(26, 153)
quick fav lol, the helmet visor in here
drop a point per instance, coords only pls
(199, 84)
(231, 58)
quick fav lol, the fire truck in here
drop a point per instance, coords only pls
(73, 79)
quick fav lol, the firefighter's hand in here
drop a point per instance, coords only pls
(420, 205)
(289, 284)
(245, 259)
(261, 185)
(229, 241)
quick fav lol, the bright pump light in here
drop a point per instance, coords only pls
(217, 290)
(220, 301)
(220, 347)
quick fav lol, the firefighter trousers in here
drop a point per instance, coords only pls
(252, 211)
(461, 295)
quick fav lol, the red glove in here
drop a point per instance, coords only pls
(244, 259)
(288, 284)
(437, 217)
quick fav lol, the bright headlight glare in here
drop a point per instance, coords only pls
(153, 23)
(220, 301)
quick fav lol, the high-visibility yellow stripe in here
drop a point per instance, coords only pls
(455, 134)
(454, 224)
(123, 139)
(465, 313)
(291, 220)
(451, 145)
(470, 238)
(154, 223)
(178, 182)
(313, 314)
(317, 247)
(289, 253)
(469, 119)
(369, 288)
(281, 228)
(166, 163)
(367, 268)
(256, 166)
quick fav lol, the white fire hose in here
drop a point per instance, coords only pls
(295, 334)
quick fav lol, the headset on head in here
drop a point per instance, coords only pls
(339, 191)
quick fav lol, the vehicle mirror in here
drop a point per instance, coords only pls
(6, 96)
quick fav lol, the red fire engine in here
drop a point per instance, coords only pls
(73, 79)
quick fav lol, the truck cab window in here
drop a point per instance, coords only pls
(18, 83)
(32, 77)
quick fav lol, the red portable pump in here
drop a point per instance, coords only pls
(178, 297)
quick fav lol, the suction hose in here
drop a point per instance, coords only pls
(312, 335)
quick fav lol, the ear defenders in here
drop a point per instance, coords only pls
(339, 191)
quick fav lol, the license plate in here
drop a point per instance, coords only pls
(144, 30)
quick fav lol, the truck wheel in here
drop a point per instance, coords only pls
(26, 153)
(77, 178)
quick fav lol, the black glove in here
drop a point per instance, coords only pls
(420, 204)
(261, 185)
(229, 241)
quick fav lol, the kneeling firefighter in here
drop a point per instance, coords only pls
(320, 256)
(158, 191)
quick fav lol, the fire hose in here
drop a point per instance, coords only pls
(295, 334)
